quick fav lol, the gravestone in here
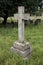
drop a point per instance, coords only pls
(21, 47)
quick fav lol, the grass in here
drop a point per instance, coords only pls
(33, 34)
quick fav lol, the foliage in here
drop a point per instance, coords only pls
(9, 7)
(12, 5)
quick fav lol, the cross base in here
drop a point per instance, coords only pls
(23, 49)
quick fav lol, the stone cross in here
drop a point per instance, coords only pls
(21, 17)
(21, 47)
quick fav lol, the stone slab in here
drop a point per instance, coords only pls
(22, 53)
(21, 46)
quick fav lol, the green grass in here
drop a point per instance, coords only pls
(33, 34)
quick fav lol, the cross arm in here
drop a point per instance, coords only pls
(25, 16)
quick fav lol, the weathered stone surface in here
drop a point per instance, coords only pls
(22, 46)
(21, 16)
(22, 49)
(22, 53)
(21, 24)
(26, 16)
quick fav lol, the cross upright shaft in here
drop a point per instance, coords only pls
(21, 24)
(21, 16)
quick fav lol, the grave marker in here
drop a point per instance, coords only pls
(21, 47)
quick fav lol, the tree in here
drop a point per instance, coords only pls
(5, 7)
(9, 7)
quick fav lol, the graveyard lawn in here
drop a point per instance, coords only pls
(33, 34)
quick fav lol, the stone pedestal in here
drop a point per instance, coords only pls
(23, 49)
